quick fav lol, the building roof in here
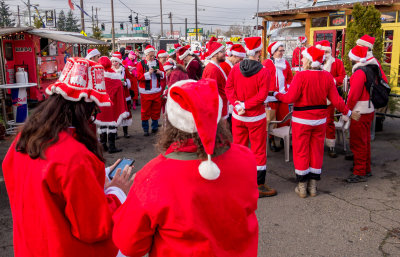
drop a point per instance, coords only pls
(325, 5)
(66, 37)
(7, 31)
(138, 40)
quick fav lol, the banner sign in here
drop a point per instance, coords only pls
(50, 20)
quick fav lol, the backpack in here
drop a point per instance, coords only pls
(378, 89)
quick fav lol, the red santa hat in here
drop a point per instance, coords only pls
(149, 49)
(237, 50)
(228, 45)
(196, 52)
(92, 53)
(367, 41)
(274, 46)
(324, 45)
(183, 52)
(212, 39)
(128, 48)
(177, 46)
(132, 55)
(301, 40)
(117, 56)
(314, 55)
(213, 49)
(187, 112)
(253, 45)
(359, 54)
(168, 65)
(81, 79)
(162, 53)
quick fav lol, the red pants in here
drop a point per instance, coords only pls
(330, 127)
(281, 110)
(308, 148)
(360, 143)
(151, 106)
(257, 133)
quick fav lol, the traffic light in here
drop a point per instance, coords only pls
(146, 22)
(121, 26)
(130, 18)
(137, 19)
(103, 27)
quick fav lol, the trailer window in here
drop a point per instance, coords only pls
(319, 22)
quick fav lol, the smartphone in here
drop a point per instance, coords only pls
(121, 165)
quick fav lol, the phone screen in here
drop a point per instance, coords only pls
(121, 165)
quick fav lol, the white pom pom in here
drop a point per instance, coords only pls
(315, 64)
(363, 60)
(209, 170)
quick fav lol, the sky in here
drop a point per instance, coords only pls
(219, 13)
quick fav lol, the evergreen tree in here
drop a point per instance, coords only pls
(5, 15)
(366, 20)
(61, 21)
(97, 34)
(37, 22)
(71, 23)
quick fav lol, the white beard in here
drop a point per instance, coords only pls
(328, 62)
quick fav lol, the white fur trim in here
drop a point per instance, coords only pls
(163, 55)
(168, 67)
(117, 192)
(249, 118)
(315, 171)
(126, 123)
(262, 167)
(276, 46)
(117, 123)
(367, 62)
(112, 75)
(307, 55)
(116, 59)
(147, 76)
(238, 54)
(92, 54)
(330, 142)
(147, 51)
(181, 57)
(361, 42)
(309, 122)
(215, 52)
(315, 64)
(59, 91)
(303, 41)
(302, 172)
(209, 170)
(253, 51)
(356, 58)
(324, 48)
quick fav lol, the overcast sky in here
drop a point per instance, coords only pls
(218, 12)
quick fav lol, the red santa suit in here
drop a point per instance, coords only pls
(226, 66)
(214, 71)
(58, 204)
(296, 59)
(309, 117)
(194, 69)
(252, 90)
(282, 76)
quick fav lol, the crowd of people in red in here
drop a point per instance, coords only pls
(198, 197)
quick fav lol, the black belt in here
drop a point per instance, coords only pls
(311, 107)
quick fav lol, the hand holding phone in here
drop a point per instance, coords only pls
(121, 165)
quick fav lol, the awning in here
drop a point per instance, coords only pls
(7, 31)
(133, 40)
(66, 37)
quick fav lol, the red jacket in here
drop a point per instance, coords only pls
(58, 205)
(143, 77)
(226, 66)
(212, 71)
(303, 93)
(296, 61)
(193, 69)
(358, 99)
(337, 70)
(172, 211)
(251, 90)
(287, 73)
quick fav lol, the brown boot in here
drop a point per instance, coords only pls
(301, 189)
(266, 191)
(312, 187)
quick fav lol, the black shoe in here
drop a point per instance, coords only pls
(356, 179)
(111, 142)
(126, 135)
(114, 150)
(349, 156)
(273, 147)
(369, 174)
(154, 131)
(103, 141)
(332, 153)
(105, 147)
(146, 134)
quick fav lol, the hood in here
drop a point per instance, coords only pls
(250, 67)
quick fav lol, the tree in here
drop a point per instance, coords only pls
(61, 21)
(366, 20)
(97, 34)
(37, 22)
(5, 15)
(71, 23)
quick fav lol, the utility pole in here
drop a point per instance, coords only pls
(258, 5)
(170, 25)
(185, 28)
(97, 19)
(82, 17)
(19, 18)
(92, 19)
(112, 25)
(132, 23)
(161, 18)
(148, 27)
(29, 13)
(197, 34)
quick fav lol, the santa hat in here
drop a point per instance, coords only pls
(108, 71)
(237, 50)
(324, 45)
(187, 112)
(212, 39)
(92, 53)
(162, 53)
(314, 55)
(183, 52)
(168, 65)
(171, 51)
(228, 45)
(359, 54)
(196, 52)
(132, 55)
(253, 45)
(117, 56)
(128, 48)
(177, 46)
(81, 79)
(301, 40)
(213, 49)
(367, 41)
(149, 49)
(274, 46)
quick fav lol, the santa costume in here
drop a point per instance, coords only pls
(228, 46)
(297, 53)
(150, 88)
(336, 68)
(175, 206)
(359, 100)
(131, 62)
(235, 50)
(59, 205)
(247, 89)
(213, 70)
(282, 76)
(193, 67)
(92, 53)
(127, 81)
(177, 47)
(111, 117)
(162, 54)
(309, 118)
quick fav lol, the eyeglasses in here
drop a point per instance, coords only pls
(281, 51)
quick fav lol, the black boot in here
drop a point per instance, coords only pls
(332, 153)
(272, 145)
(111, 142)
(103, 141)
(126, 135)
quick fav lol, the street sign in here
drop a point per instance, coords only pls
(193, 31)
(50, 21)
